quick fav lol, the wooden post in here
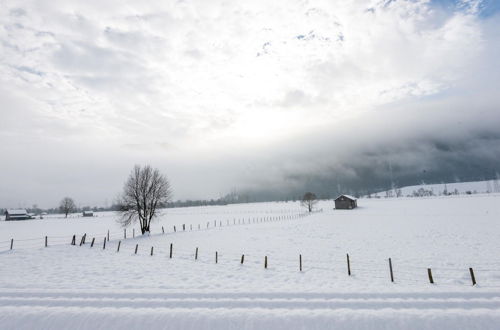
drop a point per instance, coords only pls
(207, 224)
(196, 254)
(429, 273)
(124, 233)
(136, 247)
(242, 258)
(183, 227)
(119, 243)
(151, 251)
(104, 244)
(84, 238)
(81, 241)
(171, 250)
(46, 242)
(216, 257)
(190, 227)
(390, 269)
(162, 230)
(72, 241)
(472, 277)
(300, 262)
(215, 223)
(92, 243)
(12, 243)
(348, 265)
(265, 262)
(108, 236)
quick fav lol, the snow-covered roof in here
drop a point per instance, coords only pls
(348, 196)
(17, 212)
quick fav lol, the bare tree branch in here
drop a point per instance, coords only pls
(145, 190)
(67, 206)
(309, 200)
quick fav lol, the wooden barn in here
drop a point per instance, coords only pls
(19, 214)
(88, 213)
(346, 202)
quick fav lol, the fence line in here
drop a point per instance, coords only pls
(64, 240)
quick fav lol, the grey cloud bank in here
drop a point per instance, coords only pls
(325, 96)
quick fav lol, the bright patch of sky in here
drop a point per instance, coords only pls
(88, 88)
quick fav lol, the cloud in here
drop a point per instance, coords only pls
(226, 95)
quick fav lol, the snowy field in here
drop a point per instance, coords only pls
(473, 187)
(80, 287)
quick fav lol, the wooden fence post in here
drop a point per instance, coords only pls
(171, 250)
(92, 243)
(196, 254)
(162, 230)
(81, 241)
(207, 224)
(12, 243)
(190, 227)
(124, 233)
(151, 251)
(84, 238)
(119, 243)
(472, 277)
(136, 247)
(300, 262)
(390, 269)
(429, 273)
(108, 236)
(215, 223)
(46, 241)
(104, 244)
(242, 258)
(72, 241)
(183, 227)
(216, 257)
(348, 265)
(265, 262)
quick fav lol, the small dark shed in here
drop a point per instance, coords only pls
(88, 213)
(20, 214)
(345, 202)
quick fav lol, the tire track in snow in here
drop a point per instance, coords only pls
(204, 310)
(251, 300)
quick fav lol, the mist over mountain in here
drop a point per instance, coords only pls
(267, 100)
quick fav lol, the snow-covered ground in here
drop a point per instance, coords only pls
(437, 189)
(64, 286)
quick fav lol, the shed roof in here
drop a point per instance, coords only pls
(17, 212)
(347, 196)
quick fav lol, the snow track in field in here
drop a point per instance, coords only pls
(79, 310)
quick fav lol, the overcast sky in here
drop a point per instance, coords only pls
(224, 95)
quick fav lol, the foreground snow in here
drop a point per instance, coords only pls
(65, 286)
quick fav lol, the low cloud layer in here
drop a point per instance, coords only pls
(271, 99)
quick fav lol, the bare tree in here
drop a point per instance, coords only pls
(67, 206)
(309, 200)
(145, 191)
